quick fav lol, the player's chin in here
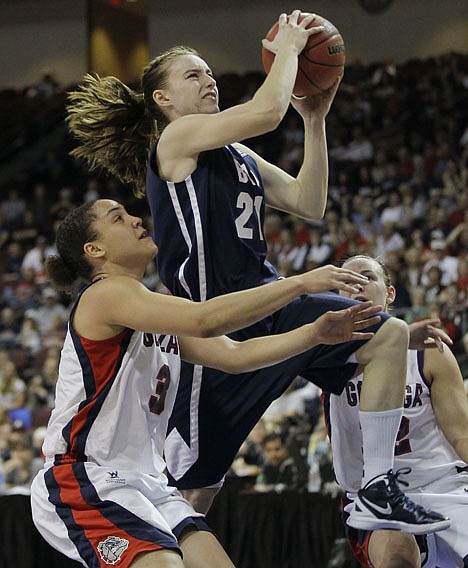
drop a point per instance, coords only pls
(211, 106)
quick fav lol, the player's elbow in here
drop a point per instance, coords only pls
(267, 115)
(313, 214)
(204, 329)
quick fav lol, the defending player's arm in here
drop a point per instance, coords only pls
(238, 357)
(448, 398)
(125, 302)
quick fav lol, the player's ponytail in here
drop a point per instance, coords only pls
(70, 265)
(113, 129)
(115, 126)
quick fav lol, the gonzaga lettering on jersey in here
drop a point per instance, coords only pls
(209, 226)
(113, 400)
(427, 452)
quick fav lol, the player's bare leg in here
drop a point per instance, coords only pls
(393, 549)
(201, 499)
(384, 360)
(202, 550)
(161, 558)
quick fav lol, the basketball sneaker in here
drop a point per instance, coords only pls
(381, 504)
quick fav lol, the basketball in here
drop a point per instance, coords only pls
(320, 62)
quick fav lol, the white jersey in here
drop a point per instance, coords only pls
(438, 479)
(113, 401)
(420, 445)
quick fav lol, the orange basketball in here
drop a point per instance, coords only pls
(321, 61)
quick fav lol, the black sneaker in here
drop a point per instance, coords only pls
(381, 504)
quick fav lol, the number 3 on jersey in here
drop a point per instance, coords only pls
(248, 208)
(157, 400)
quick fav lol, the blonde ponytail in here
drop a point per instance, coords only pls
(112, 128)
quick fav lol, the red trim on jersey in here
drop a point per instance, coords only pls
(361, 551)
(103, 357)
(85, 515)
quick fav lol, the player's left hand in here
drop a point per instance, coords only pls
(425, 334)
(346, 325)
(316, 106)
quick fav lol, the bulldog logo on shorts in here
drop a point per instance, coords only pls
(112, 549)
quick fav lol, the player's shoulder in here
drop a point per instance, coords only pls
(438, 362)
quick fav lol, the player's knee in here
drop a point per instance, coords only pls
(200, 499)
(395, 334)
(404, 554)
(398, 559)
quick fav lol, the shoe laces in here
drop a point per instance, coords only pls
(394, 477)
(398, 495)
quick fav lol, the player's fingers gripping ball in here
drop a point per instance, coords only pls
(320, 63)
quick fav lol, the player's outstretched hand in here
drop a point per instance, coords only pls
(426, 334)
(331, 277)
(346, 325)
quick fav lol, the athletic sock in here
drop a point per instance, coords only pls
(379, 432)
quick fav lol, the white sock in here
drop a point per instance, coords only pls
(379, 432)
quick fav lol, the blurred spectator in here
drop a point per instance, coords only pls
(279, 471)
(9, 328)
(25, 231)
(319, 459)
(29, 337)
(12, 208)
(389, 240)
(63, 205)
(320, 249)
(350, 242)
(12, 265)
(46, 87)
(419, 309)
(433, 283)
(22, 295)
(34, 259)
(448, 265)
(414, 269)
(39, 205)
(457, 240)
(395, 211)
(38, 437)
(250, 456)
(17, 470)
(51, 316)
(453, 308)
(293, 403)
(12, 387)
(93, 190)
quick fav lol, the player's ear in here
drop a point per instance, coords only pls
(391, 293)
(93, 249)
(161, 97)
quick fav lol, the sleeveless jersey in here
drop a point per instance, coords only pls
(209, 227)
(420, 445)
(113, 400)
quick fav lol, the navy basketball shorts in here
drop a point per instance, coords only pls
(214, 411)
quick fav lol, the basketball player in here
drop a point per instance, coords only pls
(432, 442)
(102, 497)
(207, 195)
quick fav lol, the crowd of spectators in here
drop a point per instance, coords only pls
(398, 152)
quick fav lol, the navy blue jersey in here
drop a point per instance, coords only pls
(209, 231)
(209, 227)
